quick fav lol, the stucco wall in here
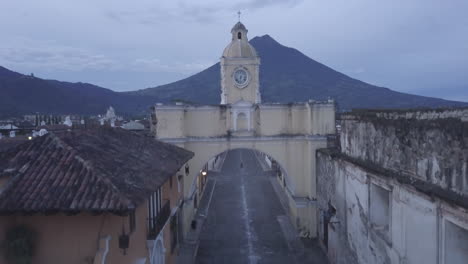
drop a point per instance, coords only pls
(175, 193)
(420, 144)
(170, 123)
(179, 121)
(75, 239)
(416, 232)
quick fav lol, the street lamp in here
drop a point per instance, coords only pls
(203, 173)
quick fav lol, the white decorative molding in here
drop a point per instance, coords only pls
(103, 250)
(252, 139)
(153, 250)
(164, 108)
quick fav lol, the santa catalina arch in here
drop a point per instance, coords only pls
(289, 133)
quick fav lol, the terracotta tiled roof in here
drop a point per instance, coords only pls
(8, 142)
(100, 170)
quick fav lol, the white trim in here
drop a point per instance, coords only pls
(234, 61)
(160, 240)
(106, 248)
(242, 104)
(303, 105)
(187, 107)
(244, 139)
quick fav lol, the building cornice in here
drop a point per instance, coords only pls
(279, 138)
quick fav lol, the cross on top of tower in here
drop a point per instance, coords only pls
(239, 14)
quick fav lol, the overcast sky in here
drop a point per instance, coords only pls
(415, 46)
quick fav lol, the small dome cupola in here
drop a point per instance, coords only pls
(239, 46)
(239, 32)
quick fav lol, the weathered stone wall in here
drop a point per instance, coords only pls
(419, 114)
(328, 180)
(431, 145)
(416, 221)
(396, 191)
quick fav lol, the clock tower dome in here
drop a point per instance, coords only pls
(240, 67)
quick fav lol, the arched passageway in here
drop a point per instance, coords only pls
(294, 154)
(245, 214)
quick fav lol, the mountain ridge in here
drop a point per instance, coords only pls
(25, 94)
(297, 78)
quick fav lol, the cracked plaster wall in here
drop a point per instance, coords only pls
(412, 236)
(432, 146)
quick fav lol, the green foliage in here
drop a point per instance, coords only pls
(19, 245)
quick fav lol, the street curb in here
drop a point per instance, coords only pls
(261, 162)
(280, 194)
(223, 157)
(192, 243)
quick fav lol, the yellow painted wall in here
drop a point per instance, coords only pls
(290, 134)
(75, 239)
(180, 121)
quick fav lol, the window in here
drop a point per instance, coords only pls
(241, 122)
(456, 244)
(187, 170)
(154, 207)
(132, 221)
(379, 201)
(179, 179)
(239, 35)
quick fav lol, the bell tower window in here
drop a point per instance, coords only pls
(239, 35)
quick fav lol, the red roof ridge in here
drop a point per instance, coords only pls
(88, 164)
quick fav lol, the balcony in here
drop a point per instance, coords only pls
(156, 224)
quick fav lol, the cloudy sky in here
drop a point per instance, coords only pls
(416, 46)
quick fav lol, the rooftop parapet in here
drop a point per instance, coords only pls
(415, 114)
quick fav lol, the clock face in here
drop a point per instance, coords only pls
(241, 78)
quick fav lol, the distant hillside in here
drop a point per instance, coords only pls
(287, 75)
(23, 94)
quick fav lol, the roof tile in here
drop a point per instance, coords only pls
(99, 169)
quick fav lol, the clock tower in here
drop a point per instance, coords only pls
(240, 67)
